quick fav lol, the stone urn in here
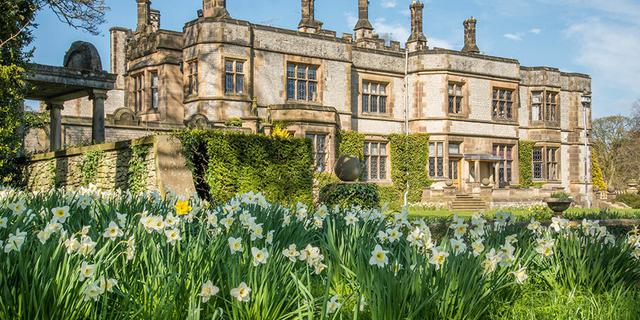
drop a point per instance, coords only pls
(449, 183)
(348, 168)
(559, 206)
(611, 189)
(485, 182)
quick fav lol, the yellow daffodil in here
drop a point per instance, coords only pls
(183, 208)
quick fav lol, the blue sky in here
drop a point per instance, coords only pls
(597, 37)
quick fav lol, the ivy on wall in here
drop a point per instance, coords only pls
(596, 172)
(90, 163)
(525, 158)
(137, 178)
(409, 162)
(351, 143)
(227, 163)
(53, 173)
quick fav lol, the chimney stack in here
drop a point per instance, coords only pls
(215, 9)
(470, 45)
(144, 14)
(308, 23)
(154, 19)
(363, 29)
(417, 40)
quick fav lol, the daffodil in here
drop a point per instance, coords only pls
(92, 292)
(131, 248)
(208, 290)
(491, 261)
(60, 214)
(291, 253)
(112, 231)
(86, 270)
(394, 234)
(534, 226)
(478, 247)
(259, 256)
(107, 284)
(269, 239)
(3, 223)
(182, 208)
(333, 305)
(458, 246)
(438, 257)
(520, 275)
(241, 293)
(379, 257)
(170, 220)
(350, 218)
(17, 208)
(72, 244)
(15, 241)
(87, 246)
(84, 202)
(173, 235)
(459, 229)
(235, 244)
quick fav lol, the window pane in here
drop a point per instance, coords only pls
(383, 104)
(383, 89)
(374, 149)
(451, 106)
(432, 149)
(383, 149)
(374, 104)
(228, 66)
(440, 149)
(291, 89)
(432, 166)
(302, 90)
(367, 146)
(365, 103)
(239, 83)
(312, 73)
(454, 148)
(535, 112)
(365, 87)
(451, 90)
(383, 168)
(229, 83)
(312, 91)
(440, 167)
(302, 72)
(291, 71)
(374, 168)
(239, 67)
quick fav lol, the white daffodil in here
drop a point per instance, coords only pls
(235, 244)
(87, 246)
(131, 248)
(269, 239)
(15, 241)
(208, 290)
(227, 222)
(170, 220)
(212, 220)
(173, 235)
(72, 244)
(351, 219)
(379, 257)
(17, 208)
(333, 305)
(559, 224)
(291, 253)
(84, 202)
(286, 220)
(112, 231)
(60, 214)
(107, 284)
(241, 293)
(92, 291)
(545, 247)
(301, 212)
(520, 275)
(438, 257)
(491, 261)
(257, 232)
(459, 229)
(458, 246)
(382, 236)
(394, 234)
(259, 256)
(86, 270)
(122, 219)
(322, 212)
(636, 253)
(535, 226)
(3, 223)
(511, 239)
(478, 247)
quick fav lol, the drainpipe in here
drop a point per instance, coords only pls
(252, 67)
(406, 114)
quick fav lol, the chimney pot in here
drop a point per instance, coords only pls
(470, 44)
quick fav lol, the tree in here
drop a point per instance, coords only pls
(16, 24)
(616, 144)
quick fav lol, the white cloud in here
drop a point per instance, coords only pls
(389, 3)
(513, 36)
(535, 30)
(440, 43)
(393, 31)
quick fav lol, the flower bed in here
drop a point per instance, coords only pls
(85, 254)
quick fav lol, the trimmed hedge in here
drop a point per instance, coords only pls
(409, 162)
(525, 158)
(351, 143)
(226, 163)
(346, 195)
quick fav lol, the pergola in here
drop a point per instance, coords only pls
(81, 76)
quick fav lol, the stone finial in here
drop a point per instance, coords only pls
(144, 13)
(215, 9)
(417, 40)
(470, 44)
(308, 22)
(154, 19)
(363, 29)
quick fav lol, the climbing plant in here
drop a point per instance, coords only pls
(90, 164)
(351, 143)
(409, 161)
(525, 158)
(137, 178)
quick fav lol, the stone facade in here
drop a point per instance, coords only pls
(219, 69)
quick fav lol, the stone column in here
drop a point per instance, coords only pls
(55, 125)
(97, 124)
(470, 44)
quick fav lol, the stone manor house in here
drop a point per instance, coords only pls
(220, 72)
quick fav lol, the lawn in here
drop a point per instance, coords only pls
(95, 255)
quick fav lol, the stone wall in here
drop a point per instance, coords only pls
(164, 167)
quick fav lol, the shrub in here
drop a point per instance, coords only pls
(233, 122)
(561, 196)
(321, 179)
(596, 171)
(226, 163)
(391, 196)
(630, 199)
(409, 161)
(525, 156)
(346, 195)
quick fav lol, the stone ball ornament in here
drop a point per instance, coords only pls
(348, 168)
(449, 183)
(611, 189)
(486, 182)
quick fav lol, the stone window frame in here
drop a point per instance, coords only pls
(235, 61)
(314, 135)
(296, 80)
(545, 91)
(381, 159)
(390, 101)
(378, 95)
(548, 163)
(449, 157)
(138, 91)
(436, 163)
(192, 82)
(515, 95)
(508, 160)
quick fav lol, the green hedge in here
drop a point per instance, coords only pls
(630, 199)
(351, 143)
(525, 158)
(409, 162)
(226, 163)
(347, 195)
